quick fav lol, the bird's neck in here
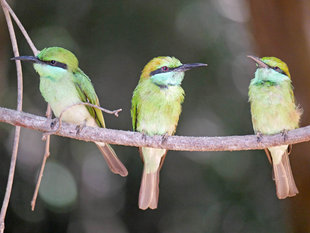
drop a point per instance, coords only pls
(269, 76)
(168, 79)
(150, 84)
(55, 73)
(169, 93)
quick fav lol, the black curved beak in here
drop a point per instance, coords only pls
(27, 58)
(258, 61)
(186, 67)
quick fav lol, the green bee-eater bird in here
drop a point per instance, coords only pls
(273, 111)
(63, 84)
(156, 107)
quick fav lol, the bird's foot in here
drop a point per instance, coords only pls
(164, 138)
(143, 136)
(80, 127)
(284, 135)
(55, 127)
(259, 137)
(54, 123)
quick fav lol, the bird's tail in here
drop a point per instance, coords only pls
(283, 175)
(115, 165)
(149, 189)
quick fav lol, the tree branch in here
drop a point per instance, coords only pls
(21, 27)
(9, 186)
(47, 139)
(129, 138)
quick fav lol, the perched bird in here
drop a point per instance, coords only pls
(63, 84)
(156, 107)
(273, 111)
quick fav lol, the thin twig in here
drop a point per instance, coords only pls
(35, 52)
(19, 108)
(129, 138)
(21, 27)
(46, 136)
(114, 112)
(46, 155)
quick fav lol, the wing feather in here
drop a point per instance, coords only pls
(134, 110)
(88, 95)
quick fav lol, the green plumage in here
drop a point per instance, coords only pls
(87, 94)
(272, 103)
(156, 107)
(155, 110)
(62, 88)
(63, 84)
(273, 111)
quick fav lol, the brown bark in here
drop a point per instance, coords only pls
(129, 138)
(3, 54)
(279, 29)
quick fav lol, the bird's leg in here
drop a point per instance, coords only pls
(80, 127)
(284, 134)
(164, 138)
(259, 136)
(143, 135)
(55, 122)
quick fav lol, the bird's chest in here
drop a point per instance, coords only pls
(272, 108)
(268, 95)
(159, 111)
(60, 94)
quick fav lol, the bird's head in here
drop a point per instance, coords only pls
(166, 71)
(52, 59)
(272, 63)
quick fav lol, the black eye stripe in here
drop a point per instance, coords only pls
(278, 70)
(55, 63)
(160, 70)
(58, 64)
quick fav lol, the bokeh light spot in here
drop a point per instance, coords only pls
(58, 188)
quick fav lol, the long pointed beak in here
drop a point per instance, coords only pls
(258, 61)
(186, 67)
(27, 58)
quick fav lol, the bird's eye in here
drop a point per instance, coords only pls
(278, 69)
(53, 62)
(164, 68)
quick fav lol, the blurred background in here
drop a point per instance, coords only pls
(199, 192)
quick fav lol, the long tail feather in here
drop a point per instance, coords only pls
(291, 182)
(115, 165)
(149, 190)
(285, 184)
